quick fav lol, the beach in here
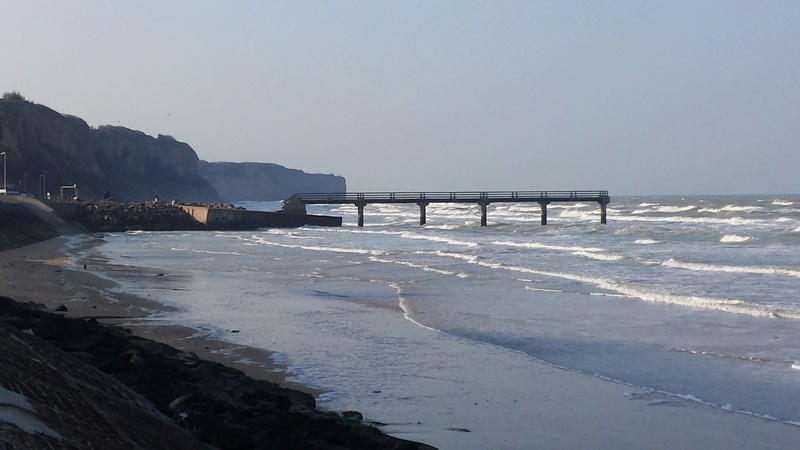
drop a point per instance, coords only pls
(563, 409)
(77, 348)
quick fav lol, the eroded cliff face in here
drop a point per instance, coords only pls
(264, 181)
(46, 148)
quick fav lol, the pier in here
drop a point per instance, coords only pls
(297, 202)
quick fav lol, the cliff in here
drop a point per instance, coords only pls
(46, 150)
(265, 182)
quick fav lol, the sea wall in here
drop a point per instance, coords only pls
(25, 221)
(215, 218)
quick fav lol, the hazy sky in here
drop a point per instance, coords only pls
(637, 97)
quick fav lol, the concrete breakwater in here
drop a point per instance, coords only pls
(229, 218)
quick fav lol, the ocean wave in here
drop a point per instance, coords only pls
(577, 214)
(647, 241)
(438, 239)
(599, 256)
(461, 256)
(700, 267)
(746, 358)
(537, 245)
(414, 265)
(782, 203)
(687, 219)
(206, 252)
(734, 238)
(734, 306)
(528, 288)
(666, 209)
(358, 251)
(737, 208)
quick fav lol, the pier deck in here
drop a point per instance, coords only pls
(298, 202)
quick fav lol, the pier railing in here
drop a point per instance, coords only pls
(298, 202)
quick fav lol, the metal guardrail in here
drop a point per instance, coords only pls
(408, 197)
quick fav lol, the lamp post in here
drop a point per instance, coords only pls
(5, 186)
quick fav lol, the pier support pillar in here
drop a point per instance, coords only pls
(422, 205)
(483, 206)
(603, 212)
(360, 206)
(544, 204)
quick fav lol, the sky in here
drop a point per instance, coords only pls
(638, 97)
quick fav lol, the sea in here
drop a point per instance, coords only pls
(677, 298)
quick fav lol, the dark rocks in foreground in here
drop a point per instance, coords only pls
(217, 404)
(108, 216)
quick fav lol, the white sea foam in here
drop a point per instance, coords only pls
(443, 240)
(599, 256)
(687, 220)
(702, 267)
(538, 245)
(637, 292)
(740, 208)
(782, 203)
(577, 214)
(207, 252)
(424, 267)
(529, 288)
(734, 238)
(647, 241)
(359, 251)
(676, 209)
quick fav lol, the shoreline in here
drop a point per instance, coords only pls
(225, 395)
(42, 273)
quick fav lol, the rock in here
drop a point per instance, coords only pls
(353, 415)
(106, 216)
(61, 308)
(217, 404)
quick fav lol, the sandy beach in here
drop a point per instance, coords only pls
(572, 410)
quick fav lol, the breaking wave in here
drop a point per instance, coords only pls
(734, 238)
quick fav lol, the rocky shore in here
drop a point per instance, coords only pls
(218, 405)
(107, 216)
